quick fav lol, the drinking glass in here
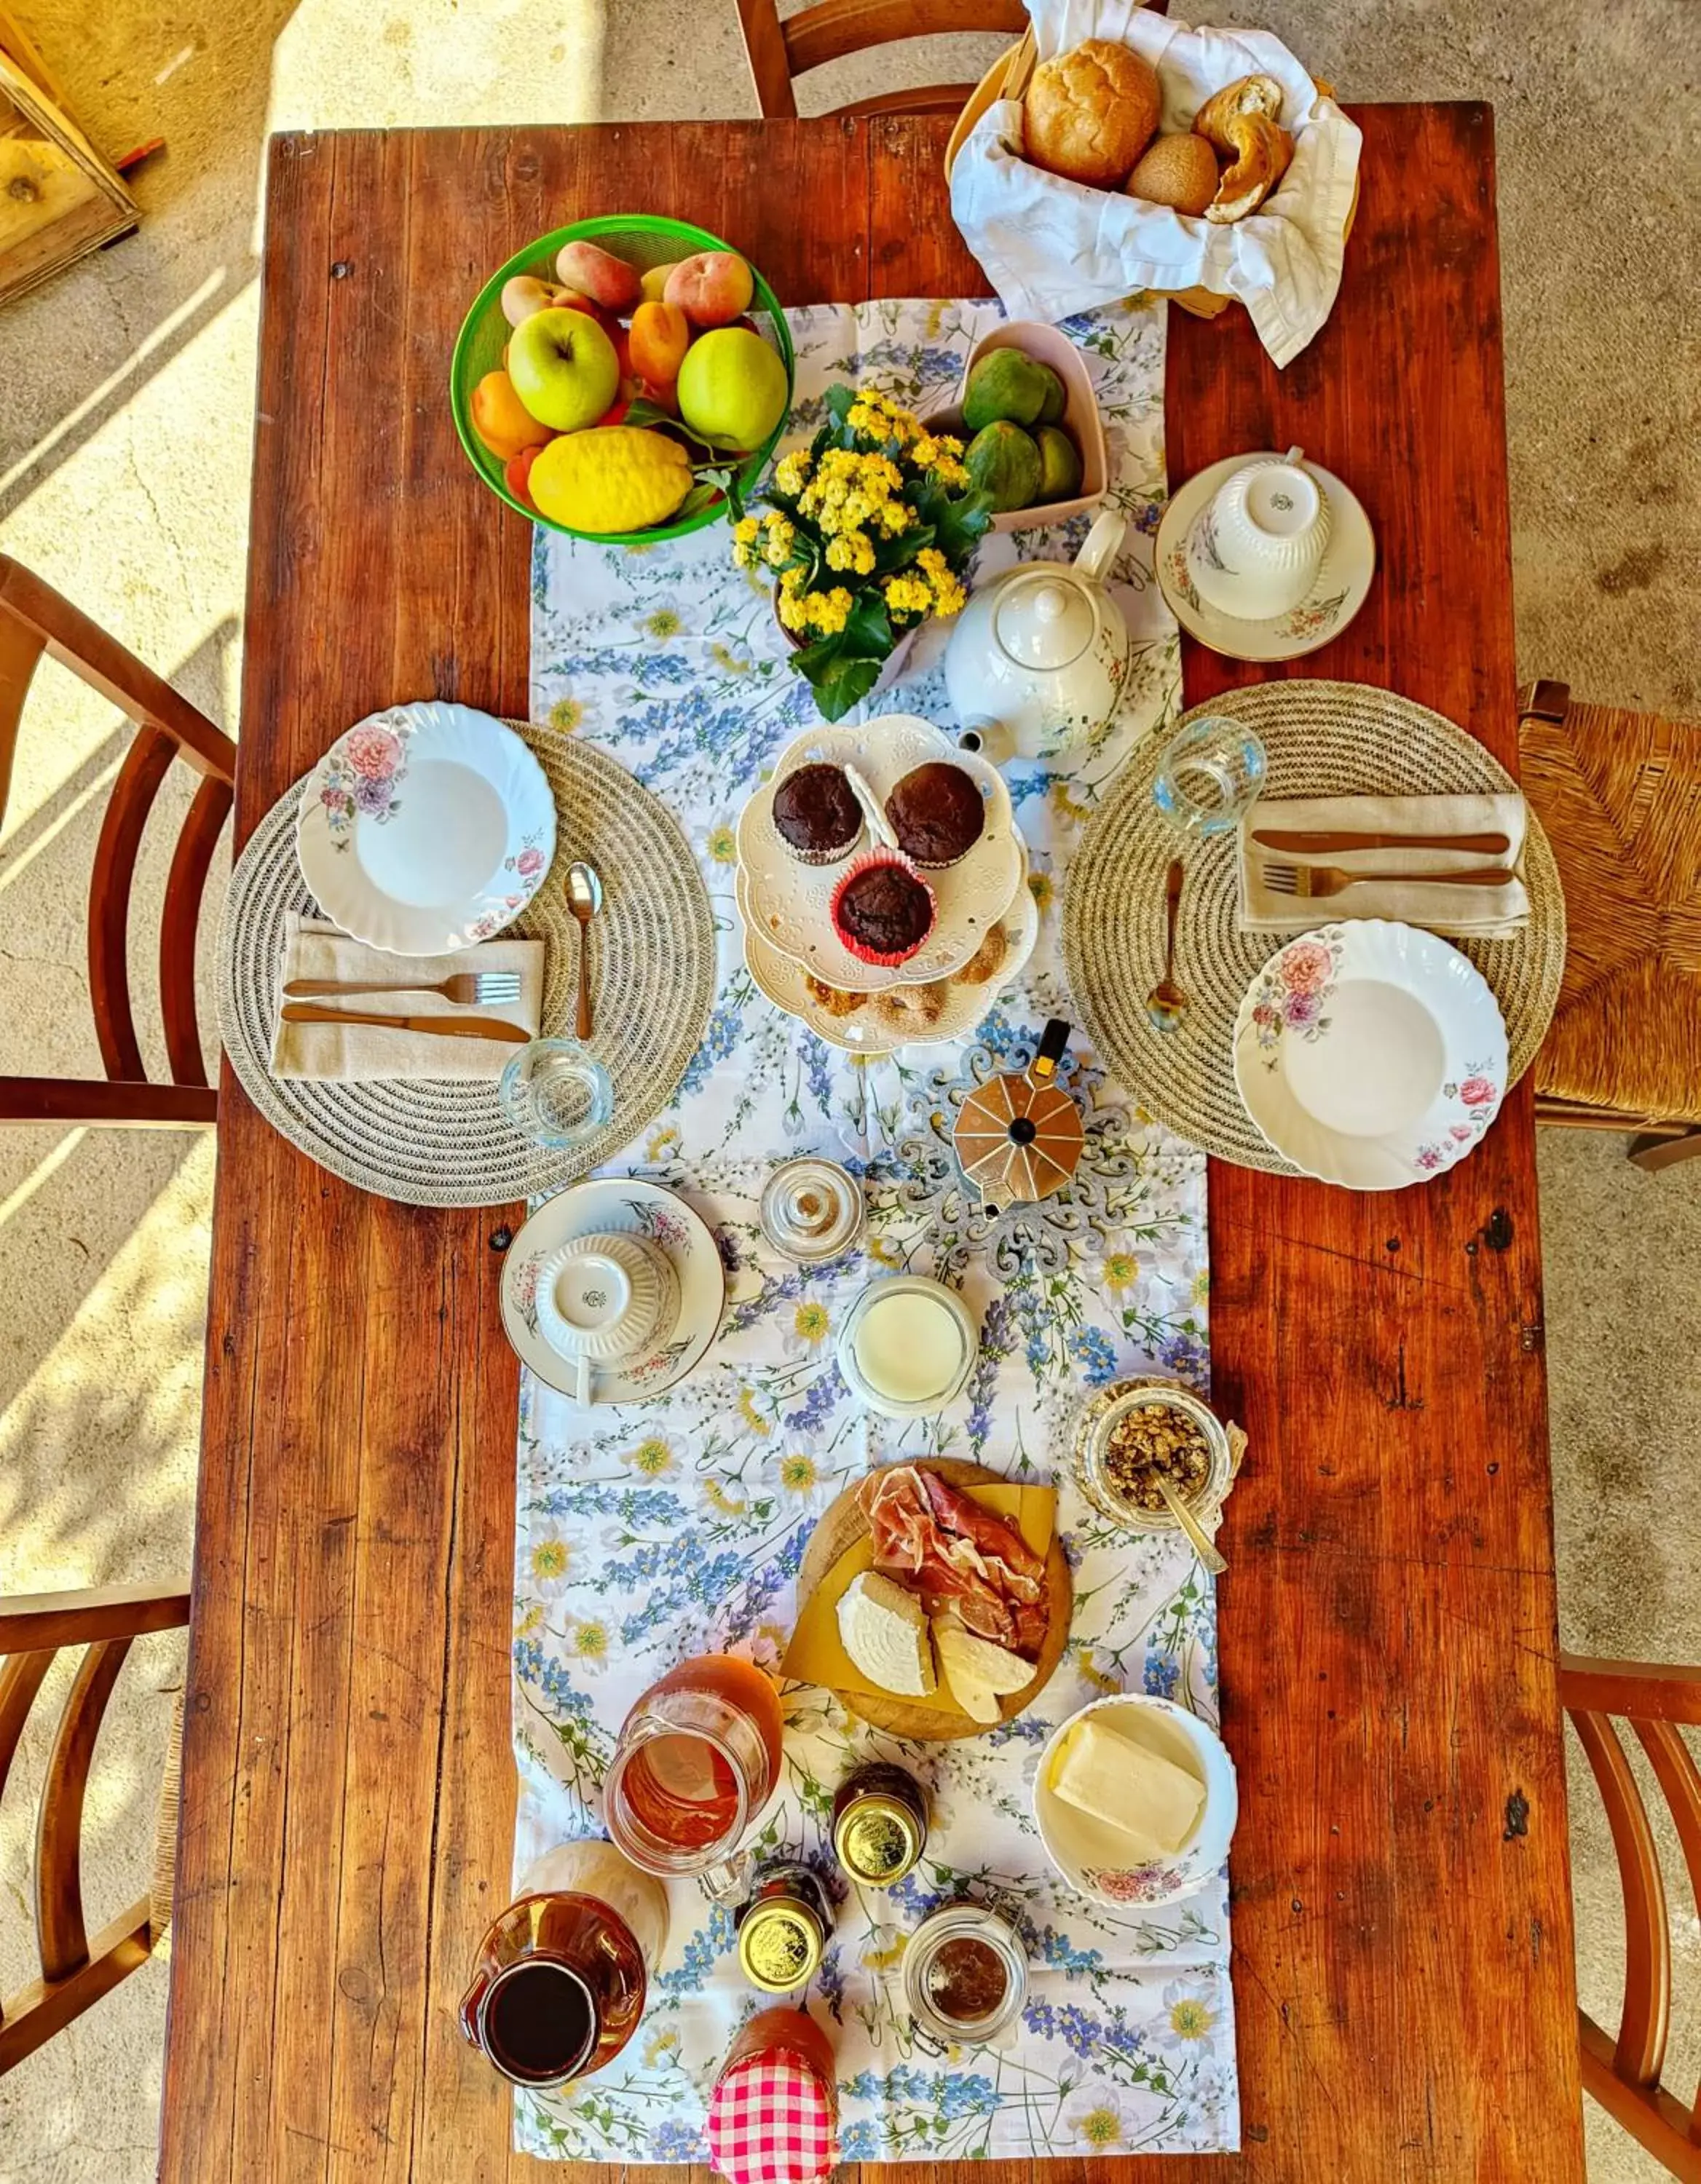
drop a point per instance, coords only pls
(556, 1093)
(1210, 775)
(698, 1757)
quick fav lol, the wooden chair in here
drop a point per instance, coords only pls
(780, 52)
(1623, 2075)
(1620, 795)
(76, 1970)
(34, 619)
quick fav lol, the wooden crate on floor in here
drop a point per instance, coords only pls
(58, 199)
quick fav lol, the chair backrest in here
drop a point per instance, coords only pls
(829, 30)
(75, 1970)
(1624, 2073)
(34, 620)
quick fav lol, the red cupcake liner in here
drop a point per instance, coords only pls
(881, 958)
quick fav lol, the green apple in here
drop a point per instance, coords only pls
(732, 388)
(564, 368)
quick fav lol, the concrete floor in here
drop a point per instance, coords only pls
(126, 416)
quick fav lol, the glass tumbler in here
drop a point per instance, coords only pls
(1210, 775)
(556, 1093)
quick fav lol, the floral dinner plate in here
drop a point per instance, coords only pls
(1372, 1055)
(426, 828)
(629, 1206)
(1337, 592)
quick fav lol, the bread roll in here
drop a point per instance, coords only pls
(1261, 151)
(1091, 111)
(1247, 95)
(1180, 172)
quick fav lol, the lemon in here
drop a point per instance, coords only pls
(614, 478)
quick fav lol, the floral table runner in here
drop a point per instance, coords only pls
(677, 1526)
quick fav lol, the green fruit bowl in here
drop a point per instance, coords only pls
(643, 240)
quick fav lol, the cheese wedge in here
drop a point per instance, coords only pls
(977, 1673)
(884, 1630)
(1145, 1796)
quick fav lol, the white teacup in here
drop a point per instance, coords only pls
(601, 1299)
(1254, 550)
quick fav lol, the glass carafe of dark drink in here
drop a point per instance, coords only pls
(560, 1980)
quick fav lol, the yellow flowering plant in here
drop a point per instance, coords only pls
(867, 533)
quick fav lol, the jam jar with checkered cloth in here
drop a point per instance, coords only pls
(773, 2114)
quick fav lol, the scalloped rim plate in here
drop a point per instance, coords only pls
(791, 901)
(425, 828)
(1371, 1055)
(781, 981)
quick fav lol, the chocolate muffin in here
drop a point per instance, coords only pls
(937, 813)
(882, 912)
(817, 813)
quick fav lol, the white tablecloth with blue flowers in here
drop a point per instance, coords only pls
(677, 1526)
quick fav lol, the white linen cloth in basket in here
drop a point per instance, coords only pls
(1052, 246)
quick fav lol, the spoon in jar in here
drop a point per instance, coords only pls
(1167, 1003)
(584, 900)
(1202, 1544)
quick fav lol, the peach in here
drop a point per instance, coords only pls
(713, 289)
(502, 420)
(654, 283)
(598, 274)
(660, 334)
(525, 294)
(517, 471)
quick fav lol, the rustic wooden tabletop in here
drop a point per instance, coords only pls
(1402, 1917)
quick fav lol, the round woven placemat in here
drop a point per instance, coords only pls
(443, 1143)
(1322, 739)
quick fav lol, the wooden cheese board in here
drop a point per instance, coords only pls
(839, 1528)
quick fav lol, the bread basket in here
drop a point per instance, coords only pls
(1007, 79)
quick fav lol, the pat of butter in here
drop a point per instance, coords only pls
(1146, 1798)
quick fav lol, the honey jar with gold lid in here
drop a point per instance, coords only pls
(880, 1824)
(783, 1927)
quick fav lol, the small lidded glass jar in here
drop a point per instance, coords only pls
(965, 1975)
(773, 2114)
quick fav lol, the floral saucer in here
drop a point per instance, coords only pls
(1342, 580)
(863, 1031)
(1091, 1855)
(1371, 1055)
(629, 1207)
(426, 828)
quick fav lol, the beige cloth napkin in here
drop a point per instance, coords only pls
(1482, 913)
(362, 1053)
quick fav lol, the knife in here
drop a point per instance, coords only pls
(1324, 845)
(442, 1027)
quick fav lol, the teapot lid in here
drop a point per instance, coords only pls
(1045, 618)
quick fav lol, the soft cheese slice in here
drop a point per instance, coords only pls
(884, 1630)
(1145, 1796)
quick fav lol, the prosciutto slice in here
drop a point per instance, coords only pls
(958, 1555)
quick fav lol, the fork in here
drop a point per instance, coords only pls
(484, 989)
(1308, 882)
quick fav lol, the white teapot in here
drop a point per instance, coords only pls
(1038, 657)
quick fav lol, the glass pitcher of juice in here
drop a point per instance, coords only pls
(698, 1757)
(562, 1977)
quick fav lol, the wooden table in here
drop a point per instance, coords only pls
(1401, 1921)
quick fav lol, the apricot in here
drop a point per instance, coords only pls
(713, 289)
(517, 471)
(654, 282)
(598, 274)
(502, 420)
(660, 334)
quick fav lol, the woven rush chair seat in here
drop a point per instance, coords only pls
(1620, 795)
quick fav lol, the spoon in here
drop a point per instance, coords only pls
(584, 900)
(1167, 1003)
(1202, 1544)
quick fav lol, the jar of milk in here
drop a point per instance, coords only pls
(907, 1345)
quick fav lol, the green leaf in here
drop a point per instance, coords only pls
(839, 400)
(868, 631)
(840, 678)
(702, 495)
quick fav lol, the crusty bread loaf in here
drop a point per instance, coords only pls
(1261, 151)
(1091, 111)
(1246, 95)
(1180, 172)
